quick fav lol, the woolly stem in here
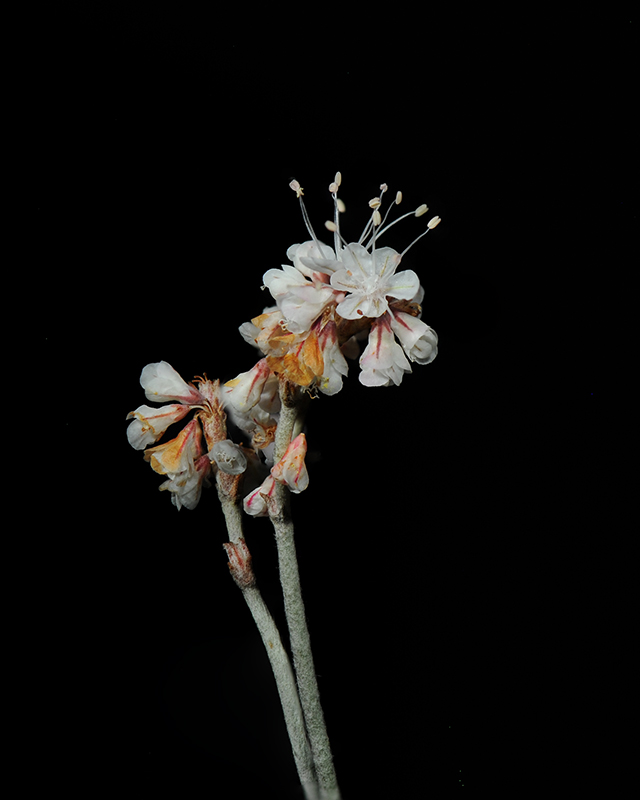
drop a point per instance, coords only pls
(242, 573)
(279, 513)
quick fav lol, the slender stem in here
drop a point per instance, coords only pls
(240, 565)
(294, 608)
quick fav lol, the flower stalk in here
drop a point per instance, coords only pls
(280, 515)
(242, 573)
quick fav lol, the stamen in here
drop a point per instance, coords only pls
(299, 192)
(417, 213)
(430, 226)
(338, 208)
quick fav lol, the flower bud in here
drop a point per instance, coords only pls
(240, 563)
(229, 457)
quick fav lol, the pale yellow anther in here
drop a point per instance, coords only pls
(433, 222)
(296, 188)
(398, 198)
(331, 225)
(421, 210)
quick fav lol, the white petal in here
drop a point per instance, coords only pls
(161, 383)
(404, 285)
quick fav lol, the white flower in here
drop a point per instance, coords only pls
(255, 503)
(161, 383)
(311, 258)
(183, 461)
(370, 278)
(334, 363)
(300, 300)
(244, 391)
(150, 423)
(186, 487)
(419, 341)
(383, 360)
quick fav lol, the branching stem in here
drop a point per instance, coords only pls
(285, 680)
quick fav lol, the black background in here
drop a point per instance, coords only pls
(158, 150)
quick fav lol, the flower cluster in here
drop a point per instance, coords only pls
(202, 448)
(332, 296)
(326, 301)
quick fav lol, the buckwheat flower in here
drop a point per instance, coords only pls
(291, 469)
(370, 278)
(186, 487)
(334, 364)
(383, 360)
(255, 503)
(313, 259)
(179, 454)
(150, 423)
(418, 340)
(300, 300)
(161, 383)
(184, 463)
(244, 391)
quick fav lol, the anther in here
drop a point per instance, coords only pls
(296, 188)
(433, 223)
(421, 210)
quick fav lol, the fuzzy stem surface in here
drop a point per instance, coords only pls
(300, 640)
(278, 658)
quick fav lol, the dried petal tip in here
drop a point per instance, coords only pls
(421, 210)
(296, 188)
(435, 221)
